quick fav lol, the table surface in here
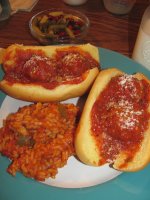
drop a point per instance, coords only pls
(114, 32)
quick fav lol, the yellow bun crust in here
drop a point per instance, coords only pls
(35, 92)
(85, 143)
(30, 92)
(2, 51)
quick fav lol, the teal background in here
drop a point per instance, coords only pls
(127, 186)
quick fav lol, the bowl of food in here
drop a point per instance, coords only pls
(59, 26)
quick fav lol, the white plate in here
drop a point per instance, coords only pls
(75, 174)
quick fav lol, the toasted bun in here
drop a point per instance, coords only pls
(85, 144)
(36, 92)
(2, 51)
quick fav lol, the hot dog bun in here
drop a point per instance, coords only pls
(89, 148)
(33, 90)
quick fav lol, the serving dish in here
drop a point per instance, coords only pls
(129, 186)
(59, 26)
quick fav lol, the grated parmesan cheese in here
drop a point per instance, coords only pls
(127, 116)
(33, 60)
(72, 58)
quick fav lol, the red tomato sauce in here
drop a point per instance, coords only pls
(120, 116)
(67, 66)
